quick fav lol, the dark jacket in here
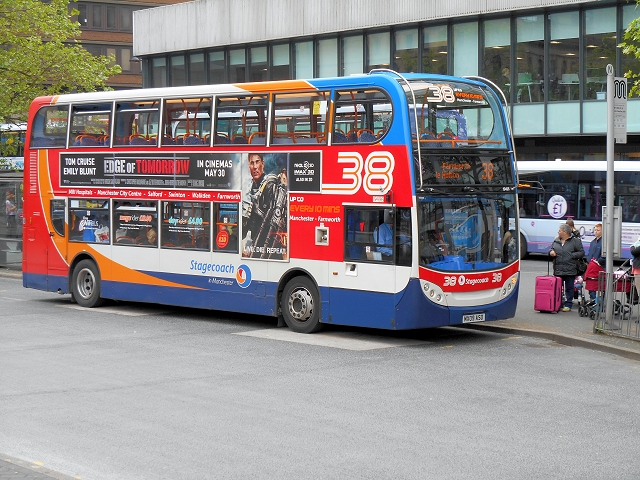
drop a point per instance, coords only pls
(635, 251)
(567, 256)
(595, 249)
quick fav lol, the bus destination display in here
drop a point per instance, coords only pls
(466, 170)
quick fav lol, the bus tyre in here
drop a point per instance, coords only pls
(300, 305)
(523, 247)
(85, 284)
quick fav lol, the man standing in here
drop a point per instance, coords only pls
(11, 210)
(264, 215)
(595, 247)
(566, 251)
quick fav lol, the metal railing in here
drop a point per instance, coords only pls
(624, 320)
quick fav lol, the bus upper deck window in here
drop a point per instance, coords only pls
(49, 127)
(90, 125)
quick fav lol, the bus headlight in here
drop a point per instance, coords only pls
(433, 293)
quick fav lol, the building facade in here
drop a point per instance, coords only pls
(107, 29)
(548, 56)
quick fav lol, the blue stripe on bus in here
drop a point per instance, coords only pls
(346, 307)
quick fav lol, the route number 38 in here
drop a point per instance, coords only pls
(374, 174)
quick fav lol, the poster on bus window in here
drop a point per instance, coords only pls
(265, 203)
(192, 170)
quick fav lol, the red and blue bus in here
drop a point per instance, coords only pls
(380, 200)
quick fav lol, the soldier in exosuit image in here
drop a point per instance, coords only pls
(264, 213)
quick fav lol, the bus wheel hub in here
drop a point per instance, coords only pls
(301, 304)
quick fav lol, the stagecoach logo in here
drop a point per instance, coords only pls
(557, 206)
(243, 276)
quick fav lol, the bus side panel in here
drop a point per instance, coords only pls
(258, 298)
(361, 308)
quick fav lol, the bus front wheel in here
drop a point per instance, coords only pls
(300, 305)
(85, 284)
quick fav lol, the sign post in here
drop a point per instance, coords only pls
(616, 132)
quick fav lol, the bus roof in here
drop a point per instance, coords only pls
(250, 87)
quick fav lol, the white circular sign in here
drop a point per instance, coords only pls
(557, 206)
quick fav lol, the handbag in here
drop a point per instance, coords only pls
(582, 266)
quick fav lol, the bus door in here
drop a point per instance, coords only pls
(57, 254)
(366, 280)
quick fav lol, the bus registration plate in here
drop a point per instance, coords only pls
(474, 317)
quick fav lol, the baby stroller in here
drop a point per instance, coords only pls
(595, 280)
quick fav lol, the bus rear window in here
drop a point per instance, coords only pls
(49, 127)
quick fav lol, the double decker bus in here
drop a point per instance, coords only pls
(558, 190)
(380, 200)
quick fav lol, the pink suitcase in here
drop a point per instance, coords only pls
(548, 294)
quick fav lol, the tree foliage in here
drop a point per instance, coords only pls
(631, 46)
(40, 55)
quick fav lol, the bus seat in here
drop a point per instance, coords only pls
(168, 140)
(339, 137)
(257, 138)
(88, 141)
(240, 140)
(366, 137)
(125, 241)
(192, 140)
(138, 140)
(221, 140)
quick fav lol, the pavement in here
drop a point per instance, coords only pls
(566, 328)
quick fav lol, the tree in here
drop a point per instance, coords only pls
(631, 46)
(40, 55)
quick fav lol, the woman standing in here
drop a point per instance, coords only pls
(566, 251)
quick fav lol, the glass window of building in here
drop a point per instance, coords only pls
(216, 67)
(304, 59)
(564, 53)
(406, 51)
(600, 43)
(96, 16)
(126, 18)
(258, 70)
(111, 17)
(497, 52)
(237, 66)
(82, 14)
(465, 49)
(530, 58)
(434, 50)
(352, 53)
(125, 59)
(280, 62)
(196, 69)
(178, 72)
(158, 72)
(379, 50)
(328, 57)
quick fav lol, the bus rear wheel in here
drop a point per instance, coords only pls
(300, 305)
(85, 284)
